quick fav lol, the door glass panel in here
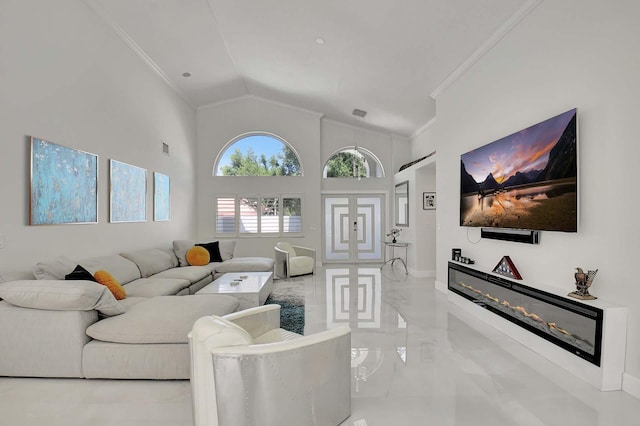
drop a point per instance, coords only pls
(353, 228)
(370, 228)
(335, 216)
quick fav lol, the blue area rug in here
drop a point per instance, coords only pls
(289, 294)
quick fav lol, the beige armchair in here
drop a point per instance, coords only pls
(294, 260)
(245, 370)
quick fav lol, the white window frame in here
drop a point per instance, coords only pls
(258, 233)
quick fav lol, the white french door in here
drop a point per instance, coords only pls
(353, 227)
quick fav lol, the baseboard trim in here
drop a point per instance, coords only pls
(631, 385)
(421, 273)
(441, 286)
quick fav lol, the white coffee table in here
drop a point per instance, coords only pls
(252, 290)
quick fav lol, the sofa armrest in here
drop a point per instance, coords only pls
(257, 321)
(306, 251)
(302, 381)
(282, 260)
(43, 343)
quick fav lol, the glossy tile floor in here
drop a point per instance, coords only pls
(416, 360)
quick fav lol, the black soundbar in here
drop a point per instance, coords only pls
(515, 235)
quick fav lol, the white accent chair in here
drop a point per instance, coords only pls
(294, 260)
(245, 370)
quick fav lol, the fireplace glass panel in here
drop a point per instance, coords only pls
(574, 326)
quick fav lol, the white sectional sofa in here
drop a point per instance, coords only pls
(52, 327)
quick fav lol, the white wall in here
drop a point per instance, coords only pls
(425, 222)
(67, 78)
(220, 123)
(564, 54)
(312, 137)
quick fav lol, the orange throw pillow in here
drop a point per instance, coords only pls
(106, 279)
(198, 256)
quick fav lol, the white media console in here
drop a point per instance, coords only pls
(587, 338)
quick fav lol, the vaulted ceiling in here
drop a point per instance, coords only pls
(389, 58)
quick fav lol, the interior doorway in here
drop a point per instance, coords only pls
(352, 228)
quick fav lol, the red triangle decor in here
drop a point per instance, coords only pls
(507, 268)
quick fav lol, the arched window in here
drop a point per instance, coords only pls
(353, 162)
(257, 154)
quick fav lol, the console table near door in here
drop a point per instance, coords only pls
(392, 260)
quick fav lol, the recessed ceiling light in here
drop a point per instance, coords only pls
(319, 40)
(186, 74)
(359, 113)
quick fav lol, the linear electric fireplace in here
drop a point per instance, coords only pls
(571, 325)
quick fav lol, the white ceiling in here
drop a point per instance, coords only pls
(389, 58)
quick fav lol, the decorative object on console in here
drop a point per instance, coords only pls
(395, 232)
(455, 254)
(64, 185)
(583, 282)
(507, 268)
(428, 201)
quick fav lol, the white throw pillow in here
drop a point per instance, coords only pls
(55, 269)
(227, 248)
(150, 261)
(57, 295)
(180, 247)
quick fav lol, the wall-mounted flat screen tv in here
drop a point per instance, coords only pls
(527, 180)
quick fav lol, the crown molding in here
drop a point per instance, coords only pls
(136, 49)
(504, 29)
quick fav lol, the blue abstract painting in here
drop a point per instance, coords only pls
(64, 184)
(128, 193)
(161, 197)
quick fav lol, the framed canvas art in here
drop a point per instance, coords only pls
(64, 185)
(161, 197)
(128, 198)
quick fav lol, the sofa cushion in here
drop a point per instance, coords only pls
(191, 273)
(180, 248)
(245, 264)
(150, 261)
(60, 295)
(214, 250)
(172, 255)
(300, 265)
(227, 247)
(54, 269)
(123, 270)
(5, 277)
(131, 301)
(80, 274)
(106, 279)
(197, 256)
(151, 287)
(162, 319)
